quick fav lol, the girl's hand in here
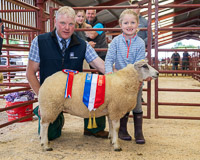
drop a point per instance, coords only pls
(109, 73)
(92, 43)
(148, 79)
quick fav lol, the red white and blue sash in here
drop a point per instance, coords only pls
(94, 91)
(69, 83)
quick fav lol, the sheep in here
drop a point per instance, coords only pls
(120, 97)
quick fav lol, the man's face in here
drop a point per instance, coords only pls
(65, 26)
(90, 15)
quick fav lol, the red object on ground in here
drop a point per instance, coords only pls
(19, 112)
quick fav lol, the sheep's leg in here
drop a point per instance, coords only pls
(115, 141)
(110, 129)
(44, 136)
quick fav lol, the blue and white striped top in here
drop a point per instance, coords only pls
(119, 55)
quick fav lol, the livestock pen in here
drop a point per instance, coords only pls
(169, 133)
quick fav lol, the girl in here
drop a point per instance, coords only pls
(124, 49)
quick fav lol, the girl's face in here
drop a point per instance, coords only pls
(80, 17)
(129, 25)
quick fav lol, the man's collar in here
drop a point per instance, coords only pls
(73, 38)
(59, 38)
(92, 22)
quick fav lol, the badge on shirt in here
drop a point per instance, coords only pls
(71, 55)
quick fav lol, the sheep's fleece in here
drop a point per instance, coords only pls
(120, 97)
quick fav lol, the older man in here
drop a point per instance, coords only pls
(60, 49)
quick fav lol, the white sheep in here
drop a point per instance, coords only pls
(120, 98)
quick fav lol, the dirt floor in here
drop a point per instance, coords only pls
(166, 139)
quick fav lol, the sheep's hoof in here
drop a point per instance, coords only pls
(117, 149)
(49, 149)
(46, 148)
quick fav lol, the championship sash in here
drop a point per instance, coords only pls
(94, 91)
(69, 83)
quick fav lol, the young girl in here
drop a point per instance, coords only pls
(127, 48)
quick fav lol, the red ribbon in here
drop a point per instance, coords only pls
(69, 83)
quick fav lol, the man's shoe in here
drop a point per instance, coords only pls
(100, 134)
(87, 133)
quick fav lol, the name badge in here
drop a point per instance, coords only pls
(71, 55)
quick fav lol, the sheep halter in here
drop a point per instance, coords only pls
(69, 83)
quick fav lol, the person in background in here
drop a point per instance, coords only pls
(80, 23)
(1, 45)
(175, 60)
(185, 61)
(1, 36)
(128, 48)
(60, 49)
(143, 23)
(99, 38)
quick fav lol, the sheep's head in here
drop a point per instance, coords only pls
(145, 70)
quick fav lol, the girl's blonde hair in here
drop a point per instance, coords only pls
(84, 23)
(128, 11)
(66, 10)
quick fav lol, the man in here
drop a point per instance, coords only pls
(57, 50)
(1, 45)
(143, 23)
(175, 59)
(1, 35)
(99, 38)
(185, 61)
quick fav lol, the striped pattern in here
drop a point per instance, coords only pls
(94, 91)
(90, 53)
(117, 53)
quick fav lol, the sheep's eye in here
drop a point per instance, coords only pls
(145, 66)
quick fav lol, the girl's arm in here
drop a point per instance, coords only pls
(110, 57)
